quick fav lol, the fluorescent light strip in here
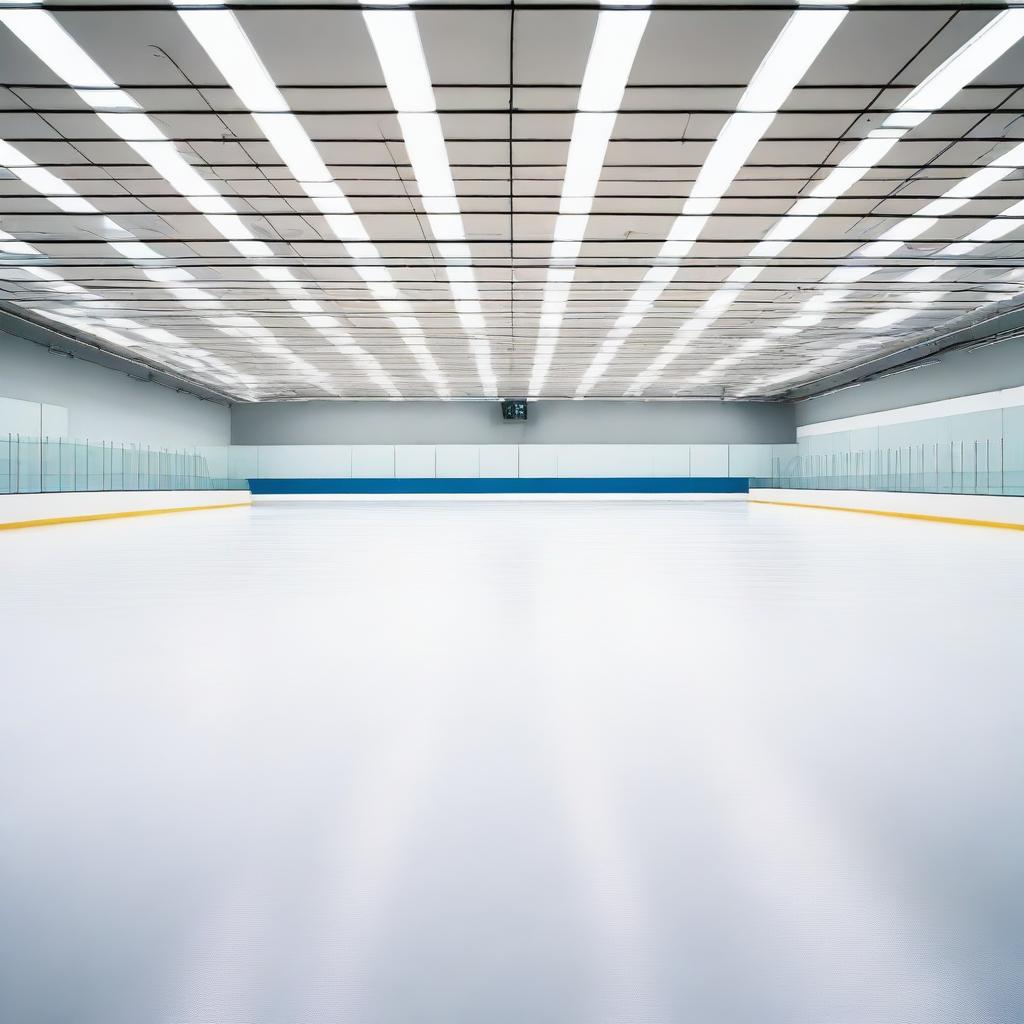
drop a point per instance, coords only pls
(978, 53)
(804, 371)
(48, 40)
(156, 336)
(952, 199)
(803, 213)
(8, 243)
(992, 230)
(960, 69)
(53, 280)
(218, 32)
(250, 328)
(609, 63)
(228, 46)
(1009, 220)
(916, 301)
(44, 35)
(396, 40)
(65, 198)
(27, 170)
(745, 351)
(795, 49)
(167, 343)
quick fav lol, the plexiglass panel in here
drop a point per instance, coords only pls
(32, 465)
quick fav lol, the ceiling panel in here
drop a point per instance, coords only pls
(279, 294)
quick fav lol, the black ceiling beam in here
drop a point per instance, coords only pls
(496, 212)
(630, 87)
(599, 287)
(520, 197)
(532, 263)
(865, 7)
(492, 165)
(749, 241)
(722, 111)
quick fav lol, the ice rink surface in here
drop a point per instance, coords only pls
(512, 763)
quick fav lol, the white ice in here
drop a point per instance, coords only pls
(511, 763)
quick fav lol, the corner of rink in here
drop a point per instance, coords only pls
(999, 511)
(49, 509)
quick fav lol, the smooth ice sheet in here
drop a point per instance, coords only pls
(559, 763)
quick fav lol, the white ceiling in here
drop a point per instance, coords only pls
(507, 135)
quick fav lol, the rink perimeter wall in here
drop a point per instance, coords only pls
(18, 510)
(690, 487)
(963, 509)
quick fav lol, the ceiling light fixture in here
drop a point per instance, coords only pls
(396, 40)
(938, 88)
(228, 46)
(613, 50)
(978, 53)
(802, 39)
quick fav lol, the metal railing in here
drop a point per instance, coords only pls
(36, 465)
(954, 467)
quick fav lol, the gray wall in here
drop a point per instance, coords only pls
(105, 405)
(954, 375)
(554, 422)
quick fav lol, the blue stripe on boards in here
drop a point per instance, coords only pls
(504, 485)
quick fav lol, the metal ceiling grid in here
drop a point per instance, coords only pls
(511, 281)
